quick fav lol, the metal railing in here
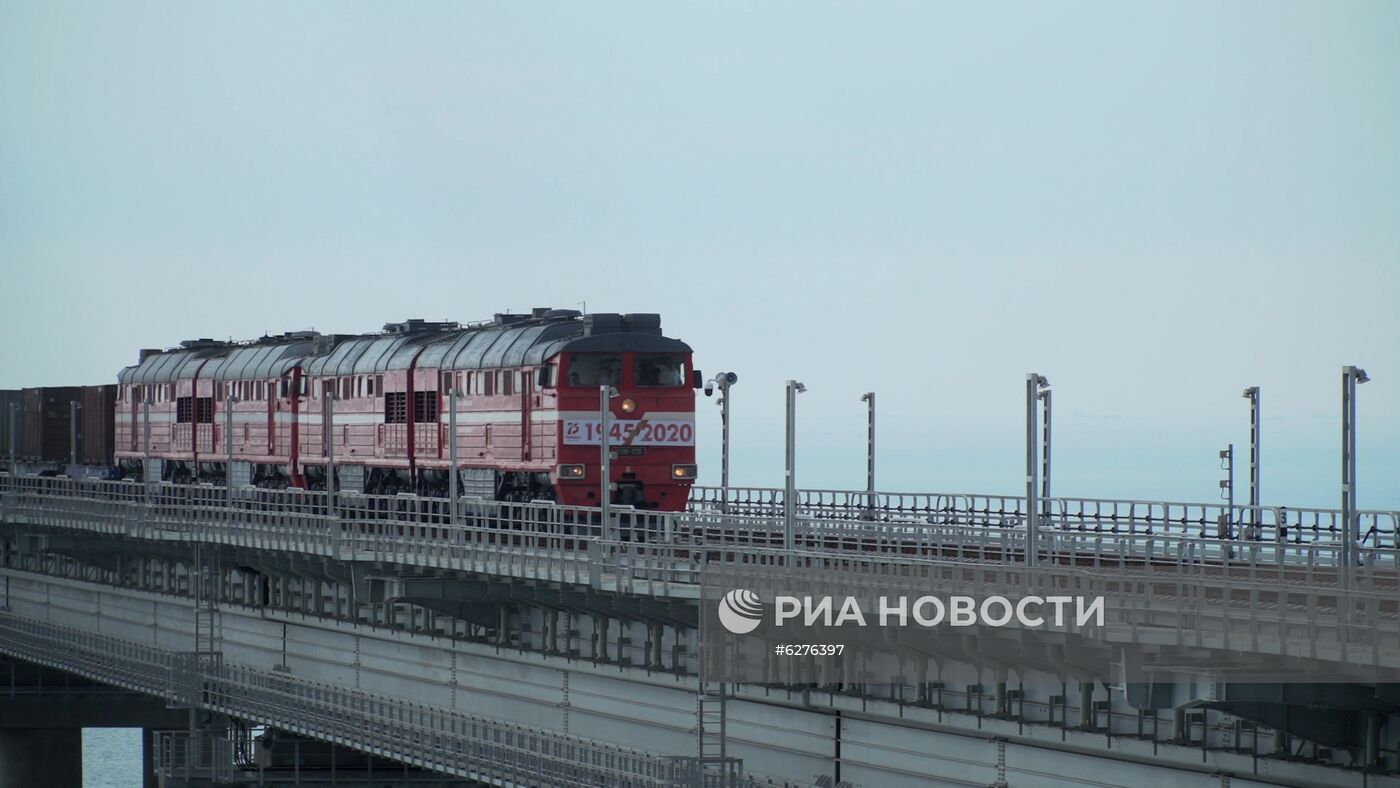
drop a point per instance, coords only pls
(1254, 523)
(662, 554)
(431, 737)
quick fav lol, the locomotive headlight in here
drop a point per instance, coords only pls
(570, 471)
(628, 406)
(682, 471)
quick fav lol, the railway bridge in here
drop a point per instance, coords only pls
(286, 637)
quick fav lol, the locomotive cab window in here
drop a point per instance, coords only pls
(659, 370)
(591, 370)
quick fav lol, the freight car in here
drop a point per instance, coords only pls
(528, 410)
(59, 430)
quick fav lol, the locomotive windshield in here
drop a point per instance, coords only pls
(590, 370)
(659, 370)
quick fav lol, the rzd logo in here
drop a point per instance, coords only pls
(740, 611)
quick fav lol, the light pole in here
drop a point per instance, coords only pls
(73, 408)
(790, 490)
(723, 381)
(14, 454)
(1227, 492)
(146, 440)
(1252, 394)
(869, 398)
(229, 402)
(1035, 384)
(1351, 376)
(452, 396)
(1044, 396)
(606, 394)
(329, 427)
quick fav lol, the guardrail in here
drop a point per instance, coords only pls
(434, 738)
(663, 554)
(1377, 528)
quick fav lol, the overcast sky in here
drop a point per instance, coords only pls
(1155, 205)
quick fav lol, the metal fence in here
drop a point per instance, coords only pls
(663, 554)
(434, 738)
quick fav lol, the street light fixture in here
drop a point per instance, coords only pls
(330, 452)
(1035, 384)
(606, 394)
(869, 398)
(723, 381)
(452, 492)
(229, 402)
(1351, 376)
(790, 490)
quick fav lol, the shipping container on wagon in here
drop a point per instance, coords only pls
(98, 422)
(48, 423)
(9, 440)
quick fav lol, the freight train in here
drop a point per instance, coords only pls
(276, 412)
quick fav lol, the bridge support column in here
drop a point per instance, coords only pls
(1086, 704)
(41, 757)
(148, 759)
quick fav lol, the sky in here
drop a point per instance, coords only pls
(1153, 204)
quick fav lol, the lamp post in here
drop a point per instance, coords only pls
(452, 396)
(606, 394)
(329, 428)
(229, 402)
(73, 408)
(790, 490)
(869, 398)
(1225, 527)
(1351, 376)
(146, 440)
(14, 454)
(1044, 397)
(1252, 394)
(1035, 384)
(723, 381)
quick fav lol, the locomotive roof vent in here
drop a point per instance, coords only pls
(417, 324)
(202, 342)
(508, 319)
(642, 323)
(602, 323)
(562, 314)
(147, 352)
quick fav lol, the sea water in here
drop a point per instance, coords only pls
(111, 758)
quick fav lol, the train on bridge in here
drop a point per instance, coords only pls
(277, 412)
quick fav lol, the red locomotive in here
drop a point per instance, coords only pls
(528, 410)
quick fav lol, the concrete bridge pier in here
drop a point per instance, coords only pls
(41, 757)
